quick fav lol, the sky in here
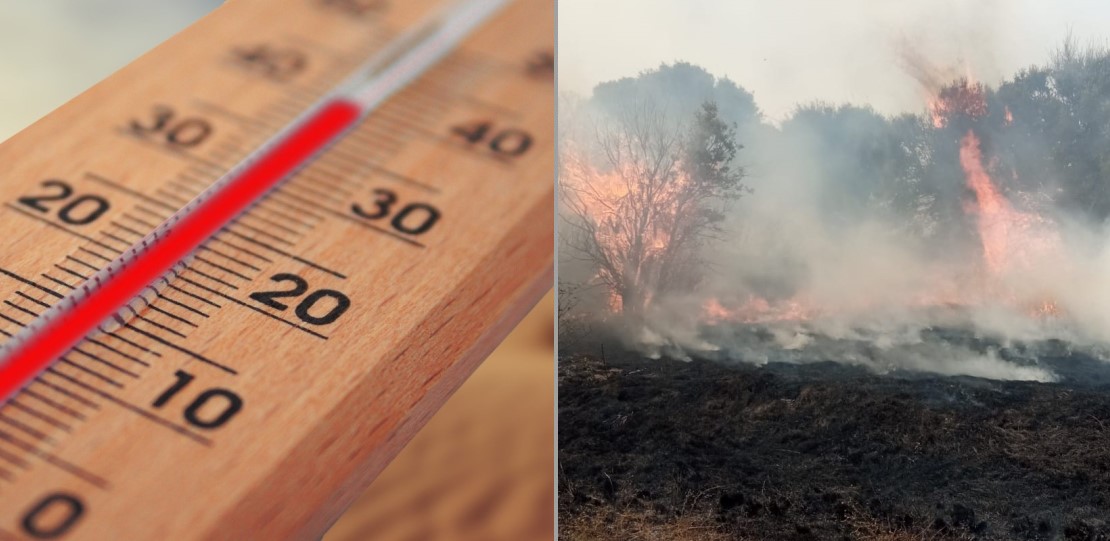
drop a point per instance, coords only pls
(52, 50)
(797, 51)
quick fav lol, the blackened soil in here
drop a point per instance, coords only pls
(826, 451)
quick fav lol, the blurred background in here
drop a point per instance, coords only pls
(482, 469)
(51, 50)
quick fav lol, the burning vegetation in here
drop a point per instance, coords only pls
(858, 236)
(895, 328)
(643, 202)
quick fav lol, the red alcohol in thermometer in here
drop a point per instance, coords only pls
(101, 299)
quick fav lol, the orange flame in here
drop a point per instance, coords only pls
(1010, 238)
(608, 199)
(757, 309)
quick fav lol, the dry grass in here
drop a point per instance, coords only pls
(641, 526)
(867, 527)
(881, 534)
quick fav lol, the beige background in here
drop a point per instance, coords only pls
(483, 467)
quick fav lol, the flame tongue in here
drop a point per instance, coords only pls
(995, 216)
(1011, 239)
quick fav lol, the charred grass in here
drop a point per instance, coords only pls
(662, 449)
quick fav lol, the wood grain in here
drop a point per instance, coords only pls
(323, 412)
(481, 470)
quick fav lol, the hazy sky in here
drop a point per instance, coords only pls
(792, 51)
(51, 50)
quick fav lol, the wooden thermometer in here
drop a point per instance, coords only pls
(237, 276)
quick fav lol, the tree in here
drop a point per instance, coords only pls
(643, 201)
(863, 158)
(681, 88)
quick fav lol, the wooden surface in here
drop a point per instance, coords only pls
(481, 470)
(325, 407)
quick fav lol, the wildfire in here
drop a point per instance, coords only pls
(616, 305)
(629, 208)
(614, 207)
(1011, 240)
(757, 309)
(1045, 309)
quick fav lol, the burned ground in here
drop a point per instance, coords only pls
(664, 449)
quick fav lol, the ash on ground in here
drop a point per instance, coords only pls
(701, 449)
